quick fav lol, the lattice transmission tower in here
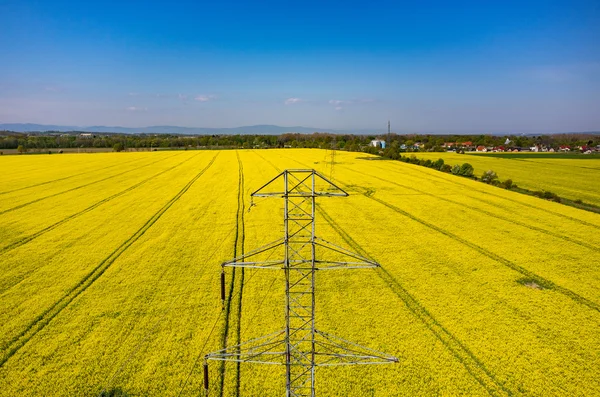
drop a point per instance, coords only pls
(299, 346)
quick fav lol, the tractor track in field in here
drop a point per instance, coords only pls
(238, 328)
(544, 282)
(67, 177)
(42, 320)
(455, 346)
(27, 239)
(555, 164)
(488, 213)
(81, 186)
(238, 249)
(457, 183)
(475, 367)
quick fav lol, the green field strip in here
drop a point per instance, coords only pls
(80, 187)
(17, 342)
(456, 181)
(27, 239)
(474, 366)
(457, 348)
(560, 179)
(488, 213)
(67, 177)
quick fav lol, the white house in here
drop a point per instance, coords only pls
(378, 143)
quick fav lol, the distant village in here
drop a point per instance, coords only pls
(508, 146)
(586, 143)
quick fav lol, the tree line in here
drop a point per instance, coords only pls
(394, 142)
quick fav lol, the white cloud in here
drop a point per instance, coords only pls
(338, 108)
(136, 109)
(204, 98)
(338, 102)
(133, 94)
(182, 97)
(291, 101)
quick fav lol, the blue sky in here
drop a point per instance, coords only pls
(428, 66)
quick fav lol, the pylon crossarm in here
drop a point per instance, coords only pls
(291, 193)
(257, 193)
(330, 265)
(299, 347)
(260, 350)
(333, 349)
(241, 261)
(358, 261)
(329, 245)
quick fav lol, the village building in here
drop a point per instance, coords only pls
(378, 143)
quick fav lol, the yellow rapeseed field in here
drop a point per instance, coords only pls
(109, 277)
(573, 178)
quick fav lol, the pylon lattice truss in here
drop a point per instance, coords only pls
(300, 346)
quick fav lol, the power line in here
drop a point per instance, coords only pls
(300, 347)
(154, 327)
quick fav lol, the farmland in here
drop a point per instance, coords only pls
(573, 176)
(109, 267)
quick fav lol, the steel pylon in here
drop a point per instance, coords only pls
(300, 346)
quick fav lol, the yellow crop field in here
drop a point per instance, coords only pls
(574, 178)
(110, 263)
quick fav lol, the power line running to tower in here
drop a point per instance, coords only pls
(299, 346)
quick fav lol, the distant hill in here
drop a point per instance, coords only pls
(169, 129)
(265, 129)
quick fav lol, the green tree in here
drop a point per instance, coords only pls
(118, 147)
(507, 184)
(446, 168)
(490, 177)
(438, 164)
(466, 170)
(21, 149)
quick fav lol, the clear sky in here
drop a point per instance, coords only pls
(428, 66)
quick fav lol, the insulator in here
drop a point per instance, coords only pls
(206, 377)
(223, 287)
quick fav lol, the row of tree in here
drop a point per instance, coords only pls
(394, 142)
(490, 177)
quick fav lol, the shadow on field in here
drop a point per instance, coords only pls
(114, 392)
(373, 158)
